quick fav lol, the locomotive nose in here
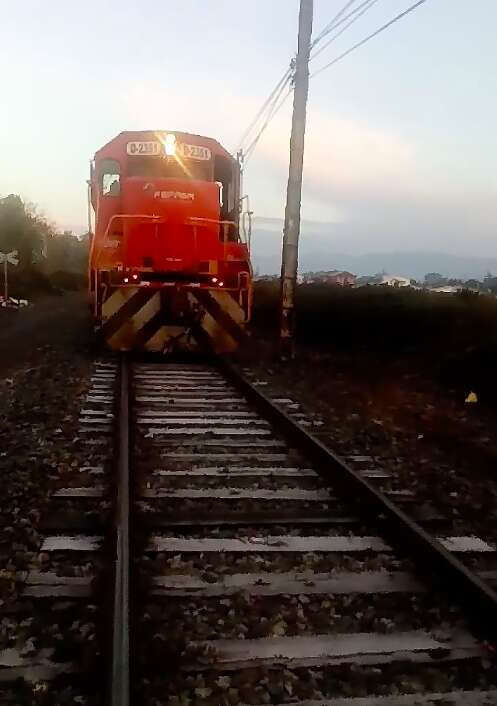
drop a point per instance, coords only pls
(167, 265)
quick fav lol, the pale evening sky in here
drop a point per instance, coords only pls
(401, 135)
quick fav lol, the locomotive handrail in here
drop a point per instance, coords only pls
(130, 216)
(246, 215)
(124, 217)
(215, 221)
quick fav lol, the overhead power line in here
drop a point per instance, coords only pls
(332, 24)
(275, 102)
(370, 36)
(289, 73)
(276, 106)
(356, 14)
(271, 106)
(276, 91)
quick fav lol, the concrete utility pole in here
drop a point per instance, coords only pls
(289, 258)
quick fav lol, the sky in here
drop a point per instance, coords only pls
(401, 142)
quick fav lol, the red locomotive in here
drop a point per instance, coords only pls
(169, 263)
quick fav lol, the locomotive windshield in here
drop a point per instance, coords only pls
(147, 166)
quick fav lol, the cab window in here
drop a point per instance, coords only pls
(223, 175)
(110, 178)
(160, 168)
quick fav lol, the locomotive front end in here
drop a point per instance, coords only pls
(169, 269)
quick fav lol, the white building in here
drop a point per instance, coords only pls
(448, 289)
(395, 281)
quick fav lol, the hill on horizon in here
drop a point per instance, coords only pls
(320, 251)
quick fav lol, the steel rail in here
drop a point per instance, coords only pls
(478, 599)
(120, 673)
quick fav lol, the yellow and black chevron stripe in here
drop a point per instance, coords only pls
(149, 319)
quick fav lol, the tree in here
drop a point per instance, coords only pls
(12, 223)
(366, 280)
(472, 284)
(491, 284)
(46, 258)
(434, 279)
(21, 229)
(67, 253)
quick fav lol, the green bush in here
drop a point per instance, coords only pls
(70, 281)
(383, 317)
(26, 284)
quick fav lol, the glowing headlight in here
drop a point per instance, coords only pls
(170, 145)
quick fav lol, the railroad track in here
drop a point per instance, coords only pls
(250, 565)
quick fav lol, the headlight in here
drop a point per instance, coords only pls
(170, 145)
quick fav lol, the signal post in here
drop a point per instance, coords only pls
(7, 259)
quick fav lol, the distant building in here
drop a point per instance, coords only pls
(342, 279)
(449, 289)
(266, 278)
(395, 281)
(336, 278)
(368, 280)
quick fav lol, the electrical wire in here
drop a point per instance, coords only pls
(275, 109)
(289, 76)
(332, 24)
(358, 12)
(275, 92)
(370, 36)
(289, 72)
(275, 106)
(270, 103)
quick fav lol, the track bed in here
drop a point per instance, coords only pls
(261, 583)
(207, 553)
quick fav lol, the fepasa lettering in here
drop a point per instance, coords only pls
(178, 195)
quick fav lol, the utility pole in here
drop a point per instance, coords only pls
(289, 257)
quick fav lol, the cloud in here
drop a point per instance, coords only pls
(346, 154)
(348, 164)
(386, 185)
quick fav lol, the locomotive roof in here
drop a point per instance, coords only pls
(130, 135)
